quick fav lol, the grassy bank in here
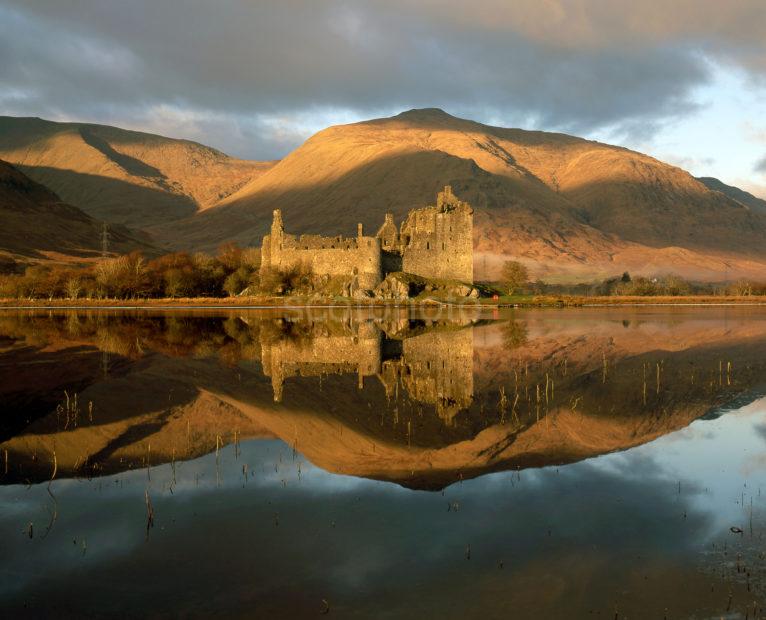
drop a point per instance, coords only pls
(530, 301)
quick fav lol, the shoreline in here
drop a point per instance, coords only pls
(541, 301)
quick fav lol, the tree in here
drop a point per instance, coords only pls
(237, 281)
(73, 287)
(123, 276)
(176, 282)
(514, 334)
(251, 258)
(675, 285)
(230, 256)
(741, 288)
(514, 275)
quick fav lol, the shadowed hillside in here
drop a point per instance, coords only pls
(563, 205)
(746, 198)
(126, 177)
(37, 225)
(569, 208)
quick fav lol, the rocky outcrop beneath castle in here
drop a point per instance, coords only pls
(401, 286)
(362, 293)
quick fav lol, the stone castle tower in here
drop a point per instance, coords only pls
(434, 242)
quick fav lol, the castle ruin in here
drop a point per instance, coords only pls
(435, 242)
(433, 362)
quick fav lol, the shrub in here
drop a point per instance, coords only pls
(237, 281)
(299, 277)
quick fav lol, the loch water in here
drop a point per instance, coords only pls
(383, 463)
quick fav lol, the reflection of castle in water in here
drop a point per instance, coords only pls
(432, 361)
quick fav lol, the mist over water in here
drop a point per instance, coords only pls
(383, 463)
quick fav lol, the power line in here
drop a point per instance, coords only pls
(104, 241)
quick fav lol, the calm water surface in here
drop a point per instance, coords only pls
(355, 464)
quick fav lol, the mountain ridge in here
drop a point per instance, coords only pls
(39, 226)
(567, 207)
(127, 177)
(740, 195)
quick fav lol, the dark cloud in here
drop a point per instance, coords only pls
(760, 165)
(224, 72)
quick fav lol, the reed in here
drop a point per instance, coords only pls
(537, 387)
(720, 373)
(644, 388)
(658, 378)
(149, 512)
(502, 404)
(55, 468)
(513, 409)
(547, 386)
(409, 433)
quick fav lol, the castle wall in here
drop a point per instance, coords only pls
(438, 243)
(357, 351)
(435, 368)
(335, 256)
(435, 242)
(389, 234)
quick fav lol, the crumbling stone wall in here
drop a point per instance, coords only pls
(435, 368)
(358, 258)
(356, 350)
(435, 242)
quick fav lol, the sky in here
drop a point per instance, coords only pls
(682, 80)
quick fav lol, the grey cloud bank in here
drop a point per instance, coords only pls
(255, 78)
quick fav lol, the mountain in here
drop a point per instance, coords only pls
(569, 208)
(37, 225)
(565, 206)
(125, 177)
(740, 195)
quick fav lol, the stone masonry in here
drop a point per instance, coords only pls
(434, 366)
(434, 242)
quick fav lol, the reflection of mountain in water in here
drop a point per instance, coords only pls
(434, 366)
(422, 402)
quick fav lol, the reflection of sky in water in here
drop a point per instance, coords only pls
(716, 461)
(233, 537)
